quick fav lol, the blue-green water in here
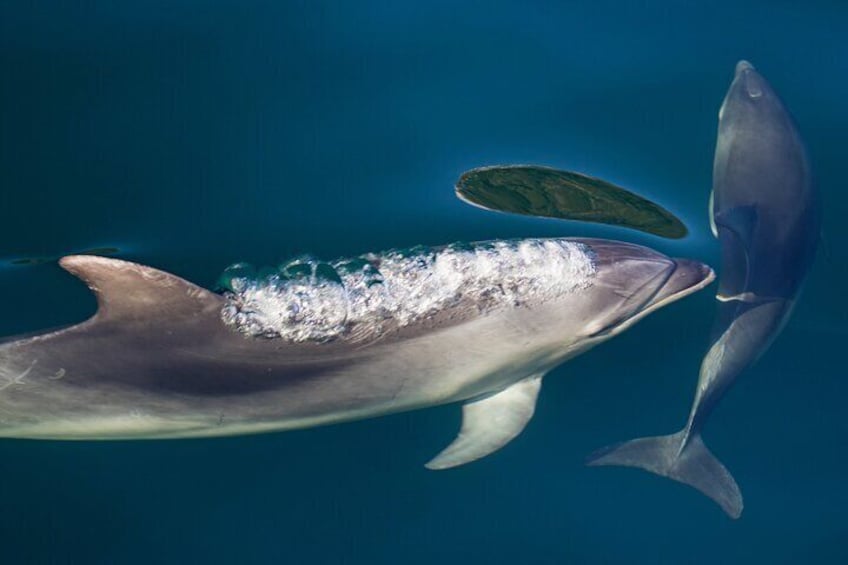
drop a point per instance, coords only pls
(195, 134)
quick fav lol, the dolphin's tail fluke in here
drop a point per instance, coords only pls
(677, 457)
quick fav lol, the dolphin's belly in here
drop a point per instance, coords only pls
(43, 400)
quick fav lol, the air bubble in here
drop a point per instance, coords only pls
(236, 277)
(358, 298)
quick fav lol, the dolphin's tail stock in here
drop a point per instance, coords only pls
(676, 456)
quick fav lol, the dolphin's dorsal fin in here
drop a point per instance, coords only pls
(490, 423)
(128, 290)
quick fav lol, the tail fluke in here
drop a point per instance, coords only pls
(690, 463)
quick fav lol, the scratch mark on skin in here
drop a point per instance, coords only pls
(399, 390)
(19, 379)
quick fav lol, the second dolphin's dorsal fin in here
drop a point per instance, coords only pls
(490, 423)
(128, 290)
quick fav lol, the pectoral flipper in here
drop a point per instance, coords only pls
(490, 422)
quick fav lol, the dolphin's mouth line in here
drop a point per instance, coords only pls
(609, 328)
(703, 283)
(620, 325)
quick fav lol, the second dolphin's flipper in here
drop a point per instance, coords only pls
(690, 463)
(490, 422)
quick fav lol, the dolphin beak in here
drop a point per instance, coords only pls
(687, 277)
(640, 281)
(749, 79)
(743, 66)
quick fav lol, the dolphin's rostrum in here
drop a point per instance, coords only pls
(763, 209)
(480, 324)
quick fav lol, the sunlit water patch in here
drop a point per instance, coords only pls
(306, 300)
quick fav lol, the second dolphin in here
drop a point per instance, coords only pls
(764, 212)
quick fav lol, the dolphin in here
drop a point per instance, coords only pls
(764, 212)
(319, 343)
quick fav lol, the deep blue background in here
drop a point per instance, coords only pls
(193, 134)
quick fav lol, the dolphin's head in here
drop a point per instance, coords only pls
(632, 281)
(749, 98)
(760, 160)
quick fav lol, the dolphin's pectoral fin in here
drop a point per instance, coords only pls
(741, 220)
(491, 422)
(736, 228)
(127, 290)
(711, 211)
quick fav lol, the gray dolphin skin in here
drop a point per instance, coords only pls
(764, 212)
(163, 358)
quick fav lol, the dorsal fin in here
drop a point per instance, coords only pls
(128, 290)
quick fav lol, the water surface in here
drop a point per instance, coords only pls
(192, 135)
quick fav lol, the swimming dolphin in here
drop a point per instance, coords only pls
(764, 212)
(328, 342)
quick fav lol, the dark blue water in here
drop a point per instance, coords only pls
(194, 134)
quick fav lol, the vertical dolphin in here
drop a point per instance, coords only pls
(763, 210)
